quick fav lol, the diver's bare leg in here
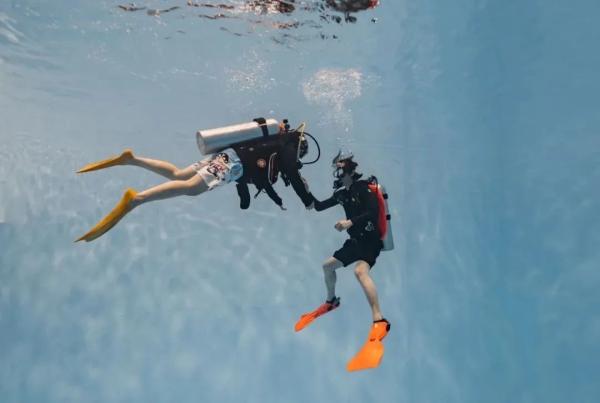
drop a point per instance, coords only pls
(163, 168)
(362, 275)
(329, 268)
(190, 187)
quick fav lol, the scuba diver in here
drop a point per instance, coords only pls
(251, 153)
(287, 7)
(150, 11)
(264, 158)
(364, 202)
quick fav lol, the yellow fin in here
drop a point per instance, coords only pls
(104, 225)
(125, 156)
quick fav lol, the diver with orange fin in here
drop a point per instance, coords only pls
(256, 153)
(367, 223)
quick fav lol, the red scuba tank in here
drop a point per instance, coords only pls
(383, 216)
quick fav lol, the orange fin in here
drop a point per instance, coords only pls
(104, 225)
(125, 156)
(368, 357)
(304, 321)
(371, 353)
(308, 318)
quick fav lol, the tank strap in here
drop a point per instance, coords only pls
(262, 122)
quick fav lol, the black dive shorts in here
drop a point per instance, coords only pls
(355, 249)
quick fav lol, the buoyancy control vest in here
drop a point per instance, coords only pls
(261, 156)
(266, 149)
(257, 143)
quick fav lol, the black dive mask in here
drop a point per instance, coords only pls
(348, 168)
(340, 172)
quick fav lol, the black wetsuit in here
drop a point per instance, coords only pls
(263, 160)
(361, 207)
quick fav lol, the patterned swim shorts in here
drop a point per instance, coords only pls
(220, 168)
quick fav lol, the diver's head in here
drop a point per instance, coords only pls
(344, 169)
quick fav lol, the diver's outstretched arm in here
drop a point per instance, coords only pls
(289, 166)
(325, 204)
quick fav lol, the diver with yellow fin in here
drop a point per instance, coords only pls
(367, 223)
(255, 153)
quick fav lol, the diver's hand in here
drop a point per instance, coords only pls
(311, 206)
(283, 208)
(342, 225)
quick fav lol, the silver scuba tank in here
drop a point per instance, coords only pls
(213, 140)
(388, 239)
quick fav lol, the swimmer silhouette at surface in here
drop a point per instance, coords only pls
(273, 7)
(256, 6)
(347, 7)
(150, 11)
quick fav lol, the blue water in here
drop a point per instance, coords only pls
(480, 117)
